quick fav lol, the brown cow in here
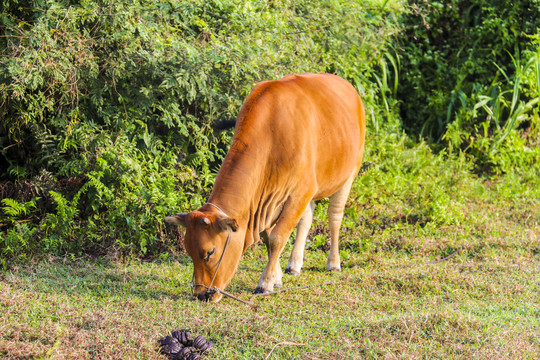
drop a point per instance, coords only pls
(297, 139)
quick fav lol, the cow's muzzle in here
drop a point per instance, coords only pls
(211, 294)
(205, 296)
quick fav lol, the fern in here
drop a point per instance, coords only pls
(15, 209)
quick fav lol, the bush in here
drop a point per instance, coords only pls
(455, 49)
(106, 108)
(499, 129)
(470, 80)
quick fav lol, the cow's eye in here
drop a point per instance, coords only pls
(210, 253)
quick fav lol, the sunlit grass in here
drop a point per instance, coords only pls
(411, 208)
(482, 303)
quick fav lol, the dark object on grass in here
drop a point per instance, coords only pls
(181, 345)
(184, 353)
(184, 337)
(170, 345)
(206, 346)
(199, 341)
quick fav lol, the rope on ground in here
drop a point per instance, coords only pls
(224, 293)
(252, 304)
(287, 289)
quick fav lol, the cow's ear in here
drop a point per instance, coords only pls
(178, 219)
(228, 223)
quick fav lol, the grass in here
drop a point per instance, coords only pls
(412, 208)
(482, 303)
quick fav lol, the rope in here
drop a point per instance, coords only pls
(252, 304)
(212, 289)
(220, 209)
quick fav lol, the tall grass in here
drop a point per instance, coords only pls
(505, 108)
(498, 126)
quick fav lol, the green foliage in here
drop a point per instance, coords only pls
(454, 52)
(499, 131)
(13, 209)
(15, 241)
(409, 185)
(106, 108)
(15, 217)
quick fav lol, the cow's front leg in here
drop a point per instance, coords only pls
(278, 237)
(278, 282)
(272, 275)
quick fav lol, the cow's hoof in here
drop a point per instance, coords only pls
(260, 290)
(332, 269)
(290, 271)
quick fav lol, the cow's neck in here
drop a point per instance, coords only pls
(240, 183)
(237, 183)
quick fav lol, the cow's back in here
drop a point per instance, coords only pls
(310, 127)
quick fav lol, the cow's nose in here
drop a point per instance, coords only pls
(205, 296)
(202, 296)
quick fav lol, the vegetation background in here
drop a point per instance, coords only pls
(107, 125)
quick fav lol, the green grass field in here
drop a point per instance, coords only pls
(482, 303)
(107, 124)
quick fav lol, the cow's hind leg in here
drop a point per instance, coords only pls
(336, 207)
(297, 255)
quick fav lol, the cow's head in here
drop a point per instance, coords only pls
(205, 242)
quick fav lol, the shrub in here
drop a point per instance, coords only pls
(107, 107)
(454, 51)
